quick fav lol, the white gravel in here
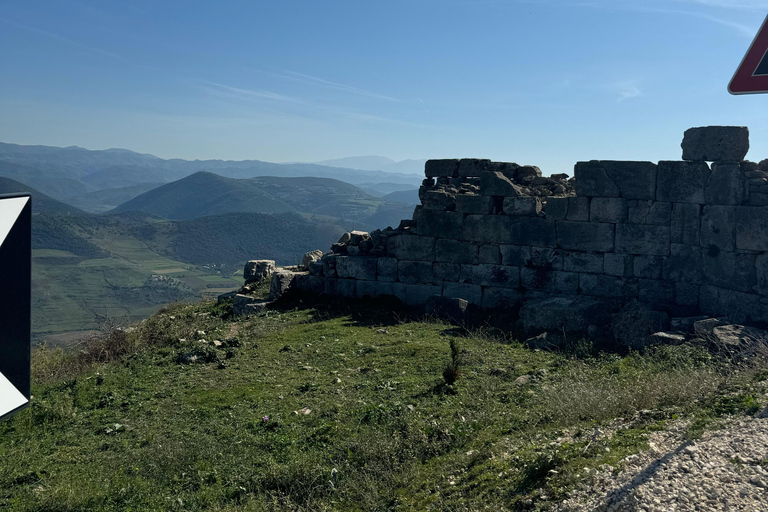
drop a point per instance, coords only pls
(726, 469)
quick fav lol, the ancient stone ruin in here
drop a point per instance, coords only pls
(673, 239)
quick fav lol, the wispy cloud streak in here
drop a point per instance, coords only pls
(63, 39)
(301, 77)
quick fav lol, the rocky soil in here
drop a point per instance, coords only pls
(726, 469)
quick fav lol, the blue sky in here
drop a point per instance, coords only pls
(546, 83)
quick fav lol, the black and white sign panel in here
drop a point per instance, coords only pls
(15, 301)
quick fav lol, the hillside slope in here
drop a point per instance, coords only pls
(41, 203)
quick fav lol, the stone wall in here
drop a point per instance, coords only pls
(683, 236)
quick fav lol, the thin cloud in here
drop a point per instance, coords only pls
(625, 90)
(227, 91)
(301, 77)
(63, 39)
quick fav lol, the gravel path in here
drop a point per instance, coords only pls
(726, 469)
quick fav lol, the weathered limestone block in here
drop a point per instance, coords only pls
(501, 298)
(648, 267)
(561, 314)
(473, 166)
(496, 184)
(439, 224)
(566, 282)
(455, 251)
(470, 292)
(316, 268)
(341, 287)
(578, 209)
(683, 264)
(526, 174)
(414, 272)
(386, 269)
(585, 236)
(256, 270)
(537, 279)
(241, 302)
(354, 237)
(522, 206)
(496, 275)
(686, 223)
(718, 228)
(758, 199)
(739, 307)
(440, 200)
(654, 291)
(373, 289)
(356, 267)
(634, 324)
(752, 228)
(716, 143)
(551, 259)
(281, 281)
(445, 272)
(556, 208)
(310, 283)
(467, 274)
(598, 285)
(442, 168)
(729, 270)
(686, 294)
(311, 257)
(515, 255)
(533, 231)
(489, 254)
(608, 178)
(487, 228)
(608, 209)
(726, 185)
(417, 294)
(409, 247)
(620, 265)
(584, 262)
(453, 310)
(761, 271)
(329, 265)
(642, 239)
(682, 182)
(649, 212)
(469, 203)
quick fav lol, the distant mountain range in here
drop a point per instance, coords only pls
(73, 174)
(377, 163)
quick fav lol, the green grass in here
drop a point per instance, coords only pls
(127, 425)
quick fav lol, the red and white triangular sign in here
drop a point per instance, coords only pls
(752, 75)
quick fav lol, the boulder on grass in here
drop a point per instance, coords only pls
(258, 270)
(282, 280)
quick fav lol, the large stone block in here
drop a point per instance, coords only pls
(310, 283)
(515, 255)
(373, 289)
(410, 247)
(522, 206)
(686, 294)
(556, 208)
(686, 223)
(329, 265)
(357, 267)
(386, 269)
(716, 143)
(608, 209)
(718, 228)
(489, 254)
(445, 272)
(473, 166)
(734, 271)
(537, 279)
(752, 228)
(655, 291)
(682, 182)
(533, 231)
(501, 298)
(448, 168)
(470, 292)
(761, 271)
(341, 287)
(456, 251)
(496, 275)
(727, 185)
(598, 285)
(649, 212)
(487, 228)
(414, 272)
(281, 281)
(438, 224)
(607, 178)
(738, 307)
(417, 294)
(546, 258)
(585, 236)
(648, 267)
(469, 203)
(642, 239)
(496, 184)
(258, 270)
(439, 200)
(683, 264)
(584, 262)
(578, 209)
(566, 282)
(561, 314)
(619, 265)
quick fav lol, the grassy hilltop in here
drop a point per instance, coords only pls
(341, 406)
